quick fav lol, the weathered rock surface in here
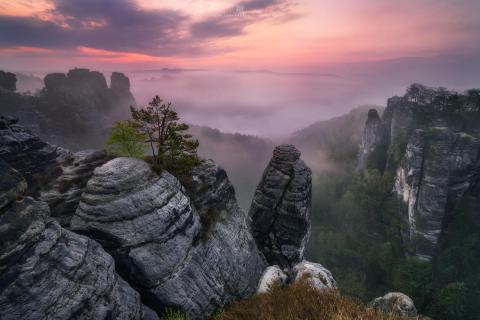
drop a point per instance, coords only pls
(271, 276)
(49, 272)
(12, 184)
(63, 184)
(25, 152)
(281, 207)
(194, 258)
(438, 168)
(318, 276)
(395, 303)
(433, 147)
(374, 142)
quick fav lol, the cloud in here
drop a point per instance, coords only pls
(233, 21)
(122, 25)
(104, 24)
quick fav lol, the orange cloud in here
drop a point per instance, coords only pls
(23, 49)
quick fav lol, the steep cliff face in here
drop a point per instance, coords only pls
(190, 257)
(49, 272)
(281, 207)
(374, 142)
(439, 166)
(433, 149)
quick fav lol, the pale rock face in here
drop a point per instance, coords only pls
(272, 275)
(438, 168)
(49, 272)
(281, 206)
(161, 243)
(374, 140)
(396, 303)
(316, 275)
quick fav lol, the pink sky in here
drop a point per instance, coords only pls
(254, 34)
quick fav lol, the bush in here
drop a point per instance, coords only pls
(300, 301)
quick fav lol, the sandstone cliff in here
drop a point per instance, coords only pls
(433, 149)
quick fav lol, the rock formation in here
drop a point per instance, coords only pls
(433, 148)
(63, 184)
(120, 88)
(12, 185)
(272, 275)
(25, 151)
(396, 303)
(439, 166)
(8, 81)
(78, 103)
(374, 142)
(318, 276)
(281, 207)
(190, 257)
(49, 272)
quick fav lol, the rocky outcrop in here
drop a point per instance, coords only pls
(316, 275)
(433, 149)
(74, 110)
(396, 303)
(191, 255)
(26, 152)
(272, 275)
(120, 89)
(49, 272)
(12, 185)
(63, 184)
(281, 207)
(438, 168)
(8, 81)
(374, 142)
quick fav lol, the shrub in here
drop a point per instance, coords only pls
(300, 301)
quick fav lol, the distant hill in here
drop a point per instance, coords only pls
(332, 141)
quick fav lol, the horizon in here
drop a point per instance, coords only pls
(261, 67)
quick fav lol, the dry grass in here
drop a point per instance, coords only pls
(300, 301)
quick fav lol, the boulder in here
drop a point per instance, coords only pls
(316, 275)
(281, 206)
(396, 303)
(271, 276)
(193, 255)
(49, 272)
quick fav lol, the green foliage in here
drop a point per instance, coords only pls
(172, 314)
(172, 148)
(126, 140)
(451, 302)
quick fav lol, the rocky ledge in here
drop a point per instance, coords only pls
(49, 272)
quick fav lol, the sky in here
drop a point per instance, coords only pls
(256, 66)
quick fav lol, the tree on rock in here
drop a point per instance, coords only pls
(172, 147)
(126, 140)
